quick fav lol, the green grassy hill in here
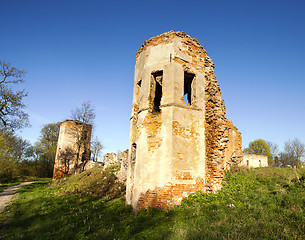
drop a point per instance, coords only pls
(264, 203)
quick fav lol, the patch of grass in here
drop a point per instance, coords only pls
(264, 203)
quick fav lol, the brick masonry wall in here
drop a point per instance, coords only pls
(172, 193)
(218, 130)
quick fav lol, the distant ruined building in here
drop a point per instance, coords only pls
(180, 139)
(254, 161)
(73, 149)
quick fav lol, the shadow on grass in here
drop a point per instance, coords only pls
(39, 213)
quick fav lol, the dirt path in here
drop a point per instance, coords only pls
(8, 193)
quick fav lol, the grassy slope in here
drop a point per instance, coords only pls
(265, 203)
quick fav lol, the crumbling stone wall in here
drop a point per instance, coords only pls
(233, 151)
(73, 148)
(123, 158)
(111, 159)
(180, 139)
(223, 141)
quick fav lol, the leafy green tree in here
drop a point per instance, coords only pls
(12, 115)
(45, 149)
(14, 151)
(259, 147)
(276, 161)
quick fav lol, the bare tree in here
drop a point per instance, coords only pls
(85, 113)
(284, 160)
(12, 115)
(96, 148)
(294, 151)
(274, 148)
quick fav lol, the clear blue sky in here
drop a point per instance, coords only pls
(74, 51)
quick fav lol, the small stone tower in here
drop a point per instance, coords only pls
(73, 148)
(180, 139)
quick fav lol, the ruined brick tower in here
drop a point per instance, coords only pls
(73, 148)
(180, 139)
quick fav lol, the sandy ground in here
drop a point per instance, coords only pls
(8, 193)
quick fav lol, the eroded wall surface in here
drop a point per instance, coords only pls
(180, 139)
(73, 149)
